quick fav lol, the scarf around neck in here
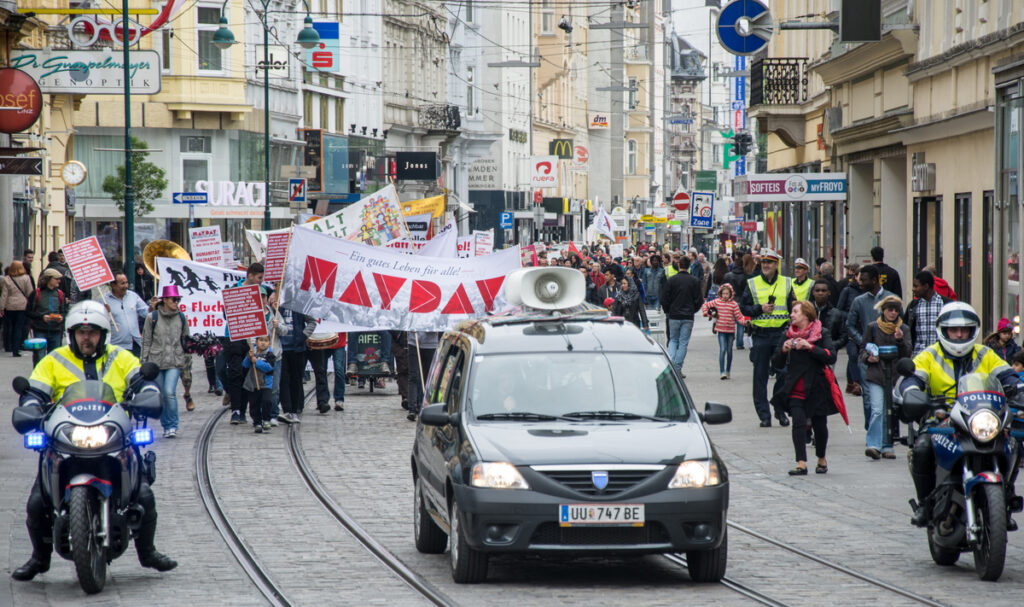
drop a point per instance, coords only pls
(811, 333)
(889, 327)
(628, 298)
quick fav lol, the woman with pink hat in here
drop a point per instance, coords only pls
(163, 343)
(1002, 340)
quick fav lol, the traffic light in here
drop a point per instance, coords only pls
(742, 143)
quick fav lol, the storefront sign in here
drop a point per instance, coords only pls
(412, 166)
(326, 55)
(598, 120)
(88, 263)
(89, 72)
(234, 193)
(207, 246)
(243, 310)
(580, 158)
(278, 61)
(749, 226)
(484, 174)
(544, 171)
(518, 136)
(18, 90)
(15, 165)
(782, 187)
(562, 148)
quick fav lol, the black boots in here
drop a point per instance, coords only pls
(148, 556)
(40, 561)
(155, 560)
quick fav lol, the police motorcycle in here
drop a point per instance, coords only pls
(975, 441)
(91, 466)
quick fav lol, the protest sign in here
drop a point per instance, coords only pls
(433, 205)
(444, 243)
(277, 254)
(206, 245)
(200, 286)
(419, 227)
(378, 288)
(88, 264)
(615, 251)
(243, 310)
(227, 257)
(483, 242)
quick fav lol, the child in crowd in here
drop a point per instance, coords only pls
(726, 314)
(1017, 362)
(259, 383)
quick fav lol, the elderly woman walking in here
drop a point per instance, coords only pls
(13, 302)
(807, 394)
(163, 343)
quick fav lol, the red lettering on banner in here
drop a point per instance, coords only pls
(320, 273)
(425, 297)
(388, 287)
(459, 303)
(489, 290)
(356, 293)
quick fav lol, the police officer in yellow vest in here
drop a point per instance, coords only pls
(767, 300)
(801, 280)
(87, 356)
(938, 368)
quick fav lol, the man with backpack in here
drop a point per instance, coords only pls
(46, 308)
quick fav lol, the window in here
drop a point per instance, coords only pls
(196, 144)
(325, 118)
(547, 17)
(209, 55)
(928, 232)
(634, 97)
(339, 115)
(165, 49)
(307, 108)
(469, 11)
(962, 242)
(631, 157)
(470, 100)
(193, 170)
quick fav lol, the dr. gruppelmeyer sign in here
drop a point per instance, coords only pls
(89, 72)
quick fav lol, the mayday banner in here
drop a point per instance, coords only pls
(88, 264)
(356, 285)
(206, 245)
(200, 286)
(376, 220)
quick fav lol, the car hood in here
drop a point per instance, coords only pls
(596, 442)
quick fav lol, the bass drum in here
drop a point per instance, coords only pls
(322, 341)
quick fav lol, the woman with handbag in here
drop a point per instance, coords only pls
(17, 287)
(807, 393)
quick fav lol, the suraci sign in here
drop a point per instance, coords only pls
(89, 72)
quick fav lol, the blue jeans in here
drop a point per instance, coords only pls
(385, 347)
(874, 402)
(725, 352)
(862, 369)
(739, 336)
(652, 301)
(678, 340)
(761, 355)
(275, 391)
(339, 374)
(853, 370)
(167, 380)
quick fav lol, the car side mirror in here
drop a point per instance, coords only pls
(716, 413)
(148, 403)
(27, 418)
(435, 415)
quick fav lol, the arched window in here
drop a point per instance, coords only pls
(631, 157)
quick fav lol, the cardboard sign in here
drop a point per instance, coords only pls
(206, 245)
(88, 264)
(277, 255)
(244, 312)
(483, 242)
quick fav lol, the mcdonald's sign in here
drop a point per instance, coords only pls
(562, 148)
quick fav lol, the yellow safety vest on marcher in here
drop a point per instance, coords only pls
(760, 291)
(802, 292)
(936, 371)
(670, 271)
(61, 368)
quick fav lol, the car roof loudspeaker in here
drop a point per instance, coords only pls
(546, 288)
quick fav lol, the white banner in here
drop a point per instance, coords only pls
(376, 219)
(376, 288)
(206, 245)
(483, 242)
(444, 243)
(419, 227)
(200, 286)
(465, 246)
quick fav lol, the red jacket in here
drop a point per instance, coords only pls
(942, 288)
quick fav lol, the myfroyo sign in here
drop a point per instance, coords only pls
(781, 187)
(20, 93)
(89, 72)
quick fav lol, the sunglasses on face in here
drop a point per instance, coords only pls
(173, 298)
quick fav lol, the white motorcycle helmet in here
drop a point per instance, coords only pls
(958, 314)
(87, 313)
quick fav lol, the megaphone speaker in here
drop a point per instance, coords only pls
(546, 288)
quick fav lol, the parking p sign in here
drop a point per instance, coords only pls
(702, 209)
(505, 220)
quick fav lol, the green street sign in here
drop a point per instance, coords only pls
(707, 181)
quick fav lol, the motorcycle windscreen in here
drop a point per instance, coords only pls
(980, 390)
(88, 401)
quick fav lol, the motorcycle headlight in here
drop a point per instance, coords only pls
(497, 475)
(984, 426)
(695, 473)
(90, 437)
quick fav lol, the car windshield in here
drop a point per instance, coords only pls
(582, 385)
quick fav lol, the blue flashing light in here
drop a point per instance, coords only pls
(142, 436)
(35, 440)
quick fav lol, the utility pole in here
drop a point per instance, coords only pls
(129, 192)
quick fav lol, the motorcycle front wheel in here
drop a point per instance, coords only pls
(87, 549)
(990, 512)
(942, 556)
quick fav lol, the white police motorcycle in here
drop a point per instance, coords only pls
(90, 469)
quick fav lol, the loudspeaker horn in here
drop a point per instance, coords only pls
(546, 288)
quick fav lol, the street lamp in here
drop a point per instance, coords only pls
(223, 38)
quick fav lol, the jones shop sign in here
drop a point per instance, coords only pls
(416, 166)
(89, 72)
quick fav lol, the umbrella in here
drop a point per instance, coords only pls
(837, 397)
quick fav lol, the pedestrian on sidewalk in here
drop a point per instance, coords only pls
(257, 388)
(888, 277)
(727, 317)
(887, 330)
(862, 312)
(681, 299)
(922, 315)
(850, 290)
(163, 343)
(126, 309)
(806, 393)
(46, 307)
(17, 287)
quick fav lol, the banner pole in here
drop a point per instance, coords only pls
(419, 361)
(103, 294)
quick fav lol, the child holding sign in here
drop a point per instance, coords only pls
(257, 389)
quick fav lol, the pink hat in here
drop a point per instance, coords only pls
(1004, 325)
(169, 291)
(608, 301)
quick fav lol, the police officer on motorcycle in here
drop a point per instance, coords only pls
(87, 356)
(937, 369)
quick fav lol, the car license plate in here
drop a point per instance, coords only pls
(625, 515)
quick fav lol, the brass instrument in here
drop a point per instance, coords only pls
(162, 248)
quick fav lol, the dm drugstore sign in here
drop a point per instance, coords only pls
(89, 72)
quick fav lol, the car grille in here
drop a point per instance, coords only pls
(580, 481)
(549, 534)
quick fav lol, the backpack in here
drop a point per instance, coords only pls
(60, 296)
(155, 316)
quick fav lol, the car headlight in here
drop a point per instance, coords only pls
(90, 437)
(695, 473)
(984, 426)
(497, 475)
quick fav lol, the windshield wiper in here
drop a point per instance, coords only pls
(614, 415)
(540, 417)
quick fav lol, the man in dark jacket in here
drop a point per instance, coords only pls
(293, 363)
(888, 277)
(825, 272)
(681, 299)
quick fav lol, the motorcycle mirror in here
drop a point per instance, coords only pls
(27, 418)
(20, 385)
(149, 371)
(148, 403)
(905, 367)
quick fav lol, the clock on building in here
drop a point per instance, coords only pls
(73, 172)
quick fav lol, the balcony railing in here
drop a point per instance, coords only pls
(440, 117)
(778, 81)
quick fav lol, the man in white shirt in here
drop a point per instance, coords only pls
(128, 311)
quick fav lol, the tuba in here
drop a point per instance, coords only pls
(162, 248)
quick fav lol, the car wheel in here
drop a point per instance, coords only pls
(430, 539)
(708, 566)
(468, 566)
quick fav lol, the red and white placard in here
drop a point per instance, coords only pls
(243, 309)
(87, 263)
(277, 254)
